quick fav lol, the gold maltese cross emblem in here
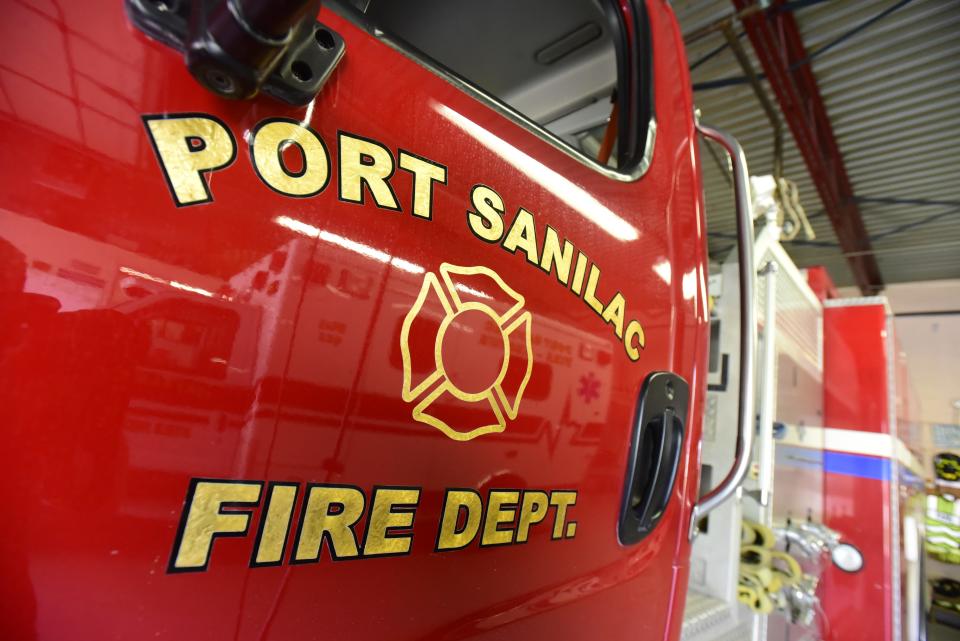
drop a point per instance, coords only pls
(467, 354)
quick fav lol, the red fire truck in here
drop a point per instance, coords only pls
(416, 288)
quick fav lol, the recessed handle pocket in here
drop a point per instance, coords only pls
(655, 448)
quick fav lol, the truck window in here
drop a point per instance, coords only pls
(559, 64)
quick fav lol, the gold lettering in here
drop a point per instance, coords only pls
(454, 502)
(552, 255)
(270, 139)
(188, 147)
(384, 518)
(276, 523)
(320, 520)
(487, 221)
(562, 499)
(501, 508)
(590, 296)
(206, 520)
(533, 510)
(634, 331)
(425, 173)
(523, 236)
(578, 272)
(365, 162)
(613, 314)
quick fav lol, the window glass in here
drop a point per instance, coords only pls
(552, 61)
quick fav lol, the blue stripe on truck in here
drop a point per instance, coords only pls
(867, 467)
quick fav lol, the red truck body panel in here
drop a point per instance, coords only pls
(257, 338)
(855, 362)
(857, 487)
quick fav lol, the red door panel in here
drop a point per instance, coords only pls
(262, 339)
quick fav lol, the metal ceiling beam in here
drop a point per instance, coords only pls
(779, 47)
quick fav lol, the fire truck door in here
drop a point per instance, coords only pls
(378, 366)
(452, 369)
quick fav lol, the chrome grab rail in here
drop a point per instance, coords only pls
(748, 330)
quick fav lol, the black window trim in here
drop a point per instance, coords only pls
(641, 92)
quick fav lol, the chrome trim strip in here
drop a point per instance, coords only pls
(504, 109)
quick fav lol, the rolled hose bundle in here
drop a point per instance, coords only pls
(756, 598)
(752, 533)
(763, 570)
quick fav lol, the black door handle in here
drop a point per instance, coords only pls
(654, 454)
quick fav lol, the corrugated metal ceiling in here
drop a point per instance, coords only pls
(892, 91)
